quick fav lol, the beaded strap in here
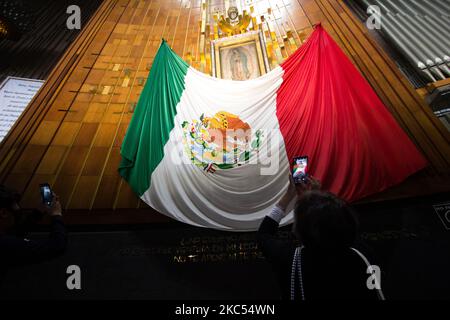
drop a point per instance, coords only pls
(297, 268)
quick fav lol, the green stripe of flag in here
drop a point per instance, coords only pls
(153, 119)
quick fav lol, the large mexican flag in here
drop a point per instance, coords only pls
(216, 153)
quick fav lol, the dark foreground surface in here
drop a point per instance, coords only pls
(175, 261)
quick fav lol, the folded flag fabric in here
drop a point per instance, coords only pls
(216, 153)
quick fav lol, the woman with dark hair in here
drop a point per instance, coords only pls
(323, 265)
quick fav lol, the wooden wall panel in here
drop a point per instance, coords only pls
(72, 131)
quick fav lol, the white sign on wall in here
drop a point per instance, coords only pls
(15, 94)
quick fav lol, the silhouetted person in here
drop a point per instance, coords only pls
(15, 247)
(324, 265)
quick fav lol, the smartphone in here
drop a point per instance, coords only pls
(46, 193)
(300, 169)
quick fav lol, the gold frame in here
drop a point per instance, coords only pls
(238, 41)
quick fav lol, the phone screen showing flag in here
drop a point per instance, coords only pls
(300, 169)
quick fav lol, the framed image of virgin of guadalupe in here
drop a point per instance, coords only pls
(241, 57)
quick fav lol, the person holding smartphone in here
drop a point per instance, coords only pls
(323, 264)
(15, 247)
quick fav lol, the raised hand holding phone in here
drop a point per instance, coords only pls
(50, 201)
(55, 207)
(46, 194)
